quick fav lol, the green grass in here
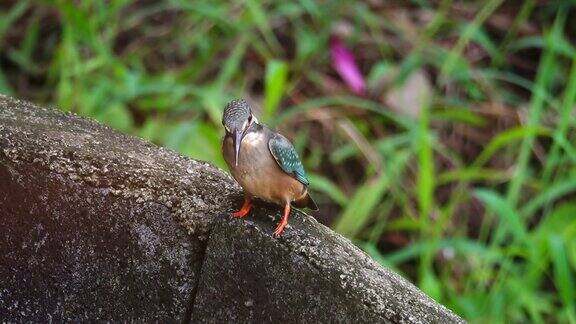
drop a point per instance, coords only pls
(470, 195)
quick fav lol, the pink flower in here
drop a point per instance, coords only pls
(344, 63)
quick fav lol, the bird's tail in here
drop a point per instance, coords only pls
(305, 201)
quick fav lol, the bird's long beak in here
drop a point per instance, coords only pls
(237, 141)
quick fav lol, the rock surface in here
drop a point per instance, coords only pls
(100, 225)
(74, 253)
(310, 273)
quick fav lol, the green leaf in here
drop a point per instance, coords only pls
(154, 130)
(431, 285)
(232, 64)
(117, 116)
(548, 196)
(470, 30)
(275, 87)
(309, 43)
(260, 17)
(459, 114)
(510, 219)
(7, 19)
(561, 130)
(345, 101)
(505, 138)
(197, 140)
(473, 174)
(426, 180)
(329, 188)
(359, 209)
(23, 56)
(467, 248)
(544, 81)
(378, 72)
(562, 273)
(5, 87)
(558, 222)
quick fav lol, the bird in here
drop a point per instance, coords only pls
(264, 163)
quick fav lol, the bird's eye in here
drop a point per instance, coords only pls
(250, 118)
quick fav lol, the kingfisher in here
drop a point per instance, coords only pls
(263, 162)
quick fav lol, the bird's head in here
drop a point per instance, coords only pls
(237, 119)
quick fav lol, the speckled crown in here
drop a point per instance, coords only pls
(235, 113)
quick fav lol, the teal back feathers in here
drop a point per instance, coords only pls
(287, 158)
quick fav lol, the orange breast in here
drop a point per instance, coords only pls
(258, 173)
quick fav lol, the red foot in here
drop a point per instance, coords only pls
(283, 221)
(244, 210)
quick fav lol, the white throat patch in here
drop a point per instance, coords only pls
(253, 138)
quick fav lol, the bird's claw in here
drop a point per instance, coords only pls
(279, 229)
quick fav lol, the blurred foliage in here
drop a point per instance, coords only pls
(457, 168)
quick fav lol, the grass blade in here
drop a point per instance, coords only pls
(359, 209)
(543, 80)
(328, 187)
(563, 274)
(274, 87)
(510, 218)
(551, 194)
(564, 124)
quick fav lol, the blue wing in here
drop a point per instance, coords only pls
(287, 158)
